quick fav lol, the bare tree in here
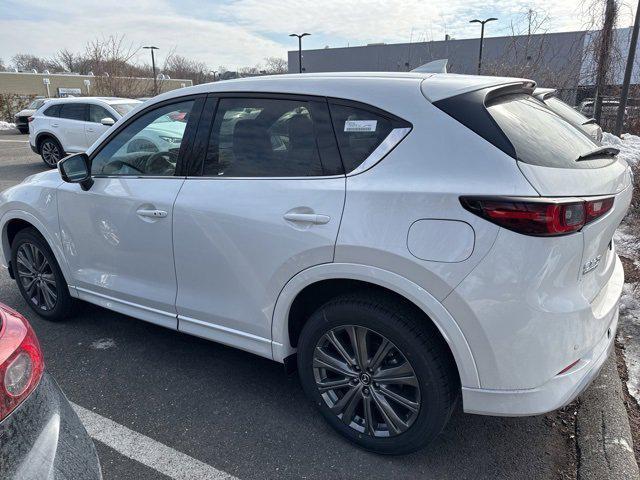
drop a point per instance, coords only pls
(72, 62)
(275, 65)
(604, 55)
(529, 53)
(178, 66)
(112, 61)
(26, 62)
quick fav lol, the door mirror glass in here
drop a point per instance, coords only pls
(108, 121)
(75, 169)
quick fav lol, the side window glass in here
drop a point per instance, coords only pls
(73, 111)
(97, 113)
(148, 146)
(52, 111)
(255, 137)
(359, 133)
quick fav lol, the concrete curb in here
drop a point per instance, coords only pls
(605, 446)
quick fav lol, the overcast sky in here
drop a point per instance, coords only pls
(235, 33)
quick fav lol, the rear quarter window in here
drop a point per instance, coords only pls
(360, 131)
(52, 111)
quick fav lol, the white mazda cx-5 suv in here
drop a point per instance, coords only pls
(71, 125)
(402, 239)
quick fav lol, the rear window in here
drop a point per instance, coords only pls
(36, 104)
(52, 111)
(539, 136)
(566, 111)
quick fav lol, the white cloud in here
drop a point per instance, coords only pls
(73, 24)
(380, 20)
(241, 32)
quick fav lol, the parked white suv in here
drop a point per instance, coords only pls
(402, 238)
(71, 125)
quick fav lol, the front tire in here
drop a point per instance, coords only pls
(51, 152)
(38, 276)
(379, 376)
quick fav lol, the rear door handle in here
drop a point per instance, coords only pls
(314, 218)
(151, 213)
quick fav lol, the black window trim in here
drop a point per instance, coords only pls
(185, 145)
(201, 145)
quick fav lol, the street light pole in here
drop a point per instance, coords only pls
(299, 47)
(153, 66)
(482, 23)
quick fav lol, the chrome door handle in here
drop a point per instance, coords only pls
(152, 213)
(308, 218)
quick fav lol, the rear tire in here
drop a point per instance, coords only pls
(51, 152)
(39, 277)
(380, 415)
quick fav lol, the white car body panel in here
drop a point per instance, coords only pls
(514, 309)
(114, 252)
(232, 233)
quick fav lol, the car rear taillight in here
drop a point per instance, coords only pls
(30, 119)
(539, 217)
(21, 362)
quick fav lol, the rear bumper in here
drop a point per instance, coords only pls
(556, 393)
(44, 439)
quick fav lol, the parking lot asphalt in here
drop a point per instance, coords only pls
(238, 413)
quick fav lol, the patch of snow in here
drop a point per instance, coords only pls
(7, 126)
(628, 245)
(629, 336)
(103, 344)
(629, 146)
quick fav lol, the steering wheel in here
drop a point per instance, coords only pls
(118, 164)
(159, 163)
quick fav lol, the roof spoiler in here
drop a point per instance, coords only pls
(437, 66)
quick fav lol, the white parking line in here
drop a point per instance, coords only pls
(147, 451)
(14, 141)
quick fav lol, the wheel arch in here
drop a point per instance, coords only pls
(316, 284)
(16, 220)
(40, 137)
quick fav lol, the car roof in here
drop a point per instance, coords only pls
(107, 100)
(352, 85)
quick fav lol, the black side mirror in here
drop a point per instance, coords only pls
(76, 169)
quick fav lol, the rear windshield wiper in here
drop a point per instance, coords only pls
(598, 152)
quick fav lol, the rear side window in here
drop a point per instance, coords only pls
(359, 133)
(262, 137)
(52, 111)
(74, 111)
(539, 136)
